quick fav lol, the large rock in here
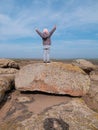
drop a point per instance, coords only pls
(87, 66)
(6, 83)
(73, 115)
(92, 97)
(7, 76)
(5, 71)
(94, 75)
(93, 94)
(58, 78)
(7, 63)
(93, 91)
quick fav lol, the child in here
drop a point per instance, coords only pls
(46, 38)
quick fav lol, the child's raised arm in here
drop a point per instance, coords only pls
(39, 32)
(52, 31)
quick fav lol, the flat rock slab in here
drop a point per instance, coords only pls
(56, 77)
(74, 115)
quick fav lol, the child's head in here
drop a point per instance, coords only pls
(45, 30)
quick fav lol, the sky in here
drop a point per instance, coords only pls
(76, 35)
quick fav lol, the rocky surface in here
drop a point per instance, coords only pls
(7, 63)
(58, 78)
(73, 115)
(21, 106)
(6, 83)
(86, 65)
(94, 75)
(42, 111)
(92, 96)
(8, 69)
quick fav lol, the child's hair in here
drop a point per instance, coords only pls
(45, 30)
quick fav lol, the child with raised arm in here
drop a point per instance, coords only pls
(46, 38)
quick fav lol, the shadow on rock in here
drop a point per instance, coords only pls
(55, 124)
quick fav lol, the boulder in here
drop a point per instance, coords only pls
(73, 115)
(56, 77)
(7, 63)
(86, 65)
(6, 83)
(94, 75)
(6, 71)
(91, 98)
(93, 91)
(7, 76)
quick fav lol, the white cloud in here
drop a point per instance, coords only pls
(21, 22)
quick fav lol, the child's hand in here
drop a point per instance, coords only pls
(35, 28)
(55, 26)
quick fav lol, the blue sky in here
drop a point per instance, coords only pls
(76, 35)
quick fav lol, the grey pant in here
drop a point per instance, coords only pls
(46, 53)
